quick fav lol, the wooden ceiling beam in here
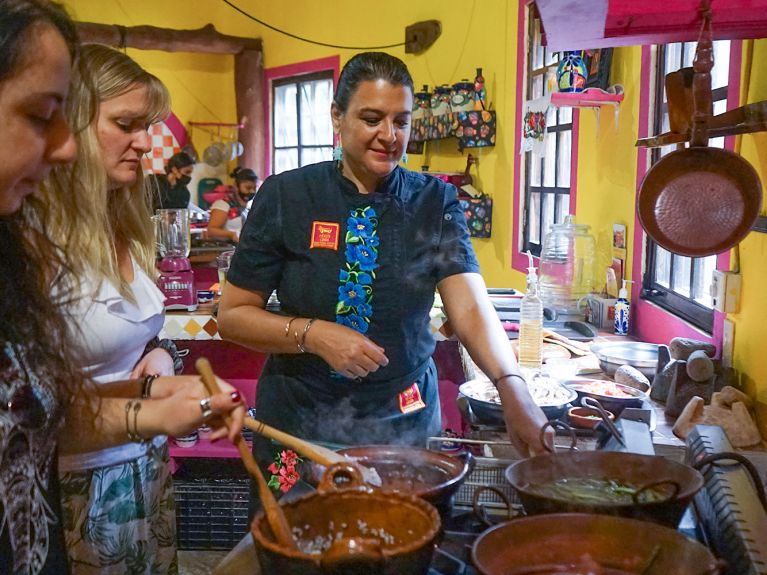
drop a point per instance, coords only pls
(202, 40)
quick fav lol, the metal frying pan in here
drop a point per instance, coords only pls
(700, 201)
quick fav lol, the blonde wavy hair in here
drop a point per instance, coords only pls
(87, 218)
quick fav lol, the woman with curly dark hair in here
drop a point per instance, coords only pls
(40, 386)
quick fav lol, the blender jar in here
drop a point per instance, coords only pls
(568, 258)
(173, 233)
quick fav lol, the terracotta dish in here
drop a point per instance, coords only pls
(585, 417)
(550, 544)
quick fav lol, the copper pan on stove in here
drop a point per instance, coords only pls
(700, 201)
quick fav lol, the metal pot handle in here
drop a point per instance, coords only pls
(674, 493)
(353, 555)
(469, 461)
(554, 423)
(479, 509)
(755, 479)
(348, 472)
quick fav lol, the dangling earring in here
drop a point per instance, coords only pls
(338, 153)
(404, 158)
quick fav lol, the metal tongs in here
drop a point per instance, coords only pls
(592, 403)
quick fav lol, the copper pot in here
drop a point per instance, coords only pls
(700, 201)
(549, 544)
(428, 474)
(351, 529)
(679, 483)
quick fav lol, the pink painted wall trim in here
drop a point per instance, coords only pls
(519, 259)
(650, 322)
(270, 74)
(177, 129)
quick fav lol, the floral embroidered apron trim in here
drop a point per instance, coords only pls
(355, 293)
(283, 470)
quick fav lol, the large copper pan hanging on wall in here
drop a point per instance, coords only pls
(700, 201)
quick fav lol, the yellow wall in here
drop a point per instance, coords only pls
(474, 33)
(750, 323)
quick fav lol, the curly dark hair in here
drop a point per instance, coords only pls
(32, 268)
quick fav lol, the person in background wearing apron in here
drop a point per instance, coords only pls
(355, 248)
(228, 216)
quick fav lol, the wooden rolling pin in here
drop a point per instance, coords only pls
(318, 453)
(274, 515)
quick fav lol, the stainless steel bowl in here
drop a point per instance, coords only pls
(640, 355)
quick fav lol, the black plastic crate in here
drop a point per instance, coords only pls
(211, 513)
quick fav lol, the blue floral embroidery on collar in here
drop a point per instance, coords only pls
(355, 294)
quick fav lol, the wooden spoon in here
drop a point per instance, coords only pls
(274, 515)
(318, 453)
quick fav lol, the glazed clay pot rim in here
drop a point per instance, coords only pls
(355, 493)
(457, 468)
(555, 525)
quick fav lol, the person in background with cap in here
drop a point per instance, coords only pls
(228, 216)
(173, 192)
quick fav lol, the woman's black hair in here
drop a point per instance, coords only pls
(178, 161)
(17, 20)
(244, 175)
(368, 66)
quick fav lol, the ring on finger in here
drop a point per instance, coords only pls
(207, 411)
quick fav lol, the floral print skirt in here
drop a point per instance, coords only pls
(121, 519)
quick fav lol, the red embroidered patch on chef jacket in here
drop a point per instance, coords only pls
(410, 400)
(325, 235)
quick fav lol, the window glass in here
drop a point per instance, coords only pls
(546, 197)
(681, 284)
(302, 130)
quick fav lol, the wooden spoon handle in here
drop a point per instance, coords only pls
(274, 515)
(318, 453)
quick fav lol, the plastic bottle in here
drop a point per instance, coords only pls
(531, 322)
(622, 307)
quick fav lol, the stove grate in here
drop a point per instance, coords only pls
(732, 518)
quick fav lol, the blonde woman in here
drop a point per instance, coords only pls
(118, 502)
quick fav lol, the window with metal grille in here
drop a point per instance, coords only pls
(680, 284)
(302, 131)
(547, 175)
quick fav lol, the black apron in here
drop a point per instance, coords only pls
(370, 417)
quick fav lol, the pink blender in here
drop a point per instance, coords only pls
(176, 276)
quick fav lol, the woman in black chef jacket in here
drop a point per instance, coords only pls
(173, 192)
(355, 248)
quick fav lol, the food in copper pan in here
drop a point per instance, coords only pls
(596, 491)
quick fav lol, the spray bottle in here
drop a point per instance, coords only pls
(622, 307)
(531, 322)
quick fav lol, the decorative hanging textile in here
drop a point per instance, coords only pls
(534, 124)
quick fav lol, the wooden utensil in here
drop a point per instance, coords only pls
(584, 348)
(571, 348)
(274, 515)
(317, 453)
